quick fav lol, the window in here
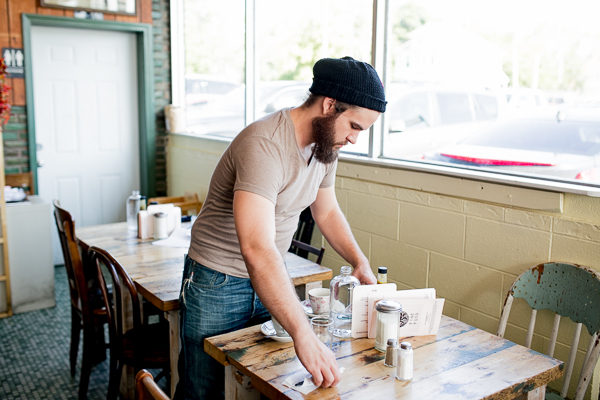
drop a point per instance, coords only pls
(502, 87)
(214, 78)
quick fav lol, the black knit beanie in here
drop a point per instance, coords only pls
(350, 81)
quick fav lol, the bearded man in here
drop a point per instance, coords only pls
(234, 273)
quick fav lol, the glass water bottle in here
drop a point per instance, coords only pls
(341, 289)
(133, 208)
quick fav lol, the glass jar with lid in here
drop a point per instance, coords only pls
(388, 322)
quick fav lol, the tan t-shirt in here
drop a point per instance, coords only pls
(263, 159)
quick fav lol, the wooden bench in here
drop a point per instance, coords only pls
(189, 202)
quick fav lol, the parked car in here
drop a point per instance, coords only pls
(201, 89)
(563, 144)
(424, 118)
(225, 116)
(526, 98)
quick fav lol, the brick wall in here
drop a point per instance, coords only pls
(15, 131)
(14, 134)
(162, 86)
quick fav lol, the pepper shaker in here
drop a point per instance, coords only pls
(391, 353)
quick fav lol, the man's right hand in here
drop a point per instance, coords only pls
(318, 360)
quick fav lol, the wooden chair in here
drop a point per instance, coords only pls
(570, 291)
(189, 203)
(146, 388)
(87, 308)
(24, 180)
(143, 345)
(303, 249)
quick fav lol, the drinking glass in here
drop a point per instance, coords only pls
(321, 326)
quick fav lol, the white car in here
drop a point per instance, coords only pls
(424, 118)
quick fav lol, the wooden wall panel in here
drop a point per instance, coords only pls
(11, 29)
(15, 9)
(18, 92)
(128, 18)
(4, 34)
(50, 11)
(145, 11)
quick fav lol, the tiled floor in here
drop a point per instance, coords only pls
(34, 354)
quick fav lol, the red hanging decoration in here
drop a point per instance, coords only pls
(4, 94)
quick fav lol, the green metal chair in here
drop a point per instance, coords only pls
(569, 290)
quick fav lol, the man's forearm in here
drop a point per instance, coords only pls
(275, 289)
(337, 231)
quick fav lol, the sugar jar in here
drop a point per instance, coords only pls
(388, 322)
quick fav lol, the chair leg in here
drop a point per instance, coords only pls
(86, 364)
(114, 380)
(75, 333)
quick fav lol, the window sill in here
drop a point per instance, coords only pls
(511, 191)
(477, 185)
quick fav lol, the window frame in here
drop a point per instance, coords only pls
(374, 157)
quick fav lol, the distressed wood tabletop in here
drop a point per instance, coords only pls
(157, 270)
(459, 363)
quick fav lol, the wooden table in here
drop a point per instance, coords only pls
(157, 273)
(459, 363)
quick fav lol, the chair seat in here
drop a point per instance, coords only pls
(155, 345)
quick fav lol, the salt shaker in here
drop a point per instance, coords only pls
(160, 226)
(404, 370)
(388, 322)
(391, 353)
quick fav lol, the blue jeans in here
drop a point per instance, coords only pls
(211, 303)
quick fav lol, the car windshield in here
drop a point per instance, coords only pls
(570, 137)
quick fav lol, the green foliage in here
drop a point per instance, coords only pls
(411, 16)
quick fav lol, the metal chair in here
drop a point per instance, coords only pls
(87, 308)
(303, 250)
(570, 291)
(142, 346)
(146, 388)
(301, 241)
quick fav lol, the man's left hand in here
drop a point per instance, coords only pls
(363, 273)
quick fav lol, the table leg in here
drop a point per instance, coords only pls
(173, 318)
(537, 394)
(302, 290)
(238, 386)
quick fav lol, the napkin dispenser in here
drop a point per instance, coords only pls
(146, 219)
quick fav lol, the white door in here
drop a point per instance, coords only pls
(86, 122)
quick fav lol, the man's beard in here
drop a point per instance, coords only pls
(324, 137)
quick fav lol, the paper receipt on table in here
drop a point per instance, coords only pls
(302, 381)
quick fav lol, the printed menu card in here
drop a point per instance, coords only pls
(422, 312)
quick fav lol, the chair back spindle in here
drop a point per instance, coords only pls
(122, 286)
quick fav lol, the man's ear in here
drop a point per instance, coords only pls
(328, 105)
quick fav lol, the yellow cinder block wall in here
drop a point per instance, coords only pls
(470, 251)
